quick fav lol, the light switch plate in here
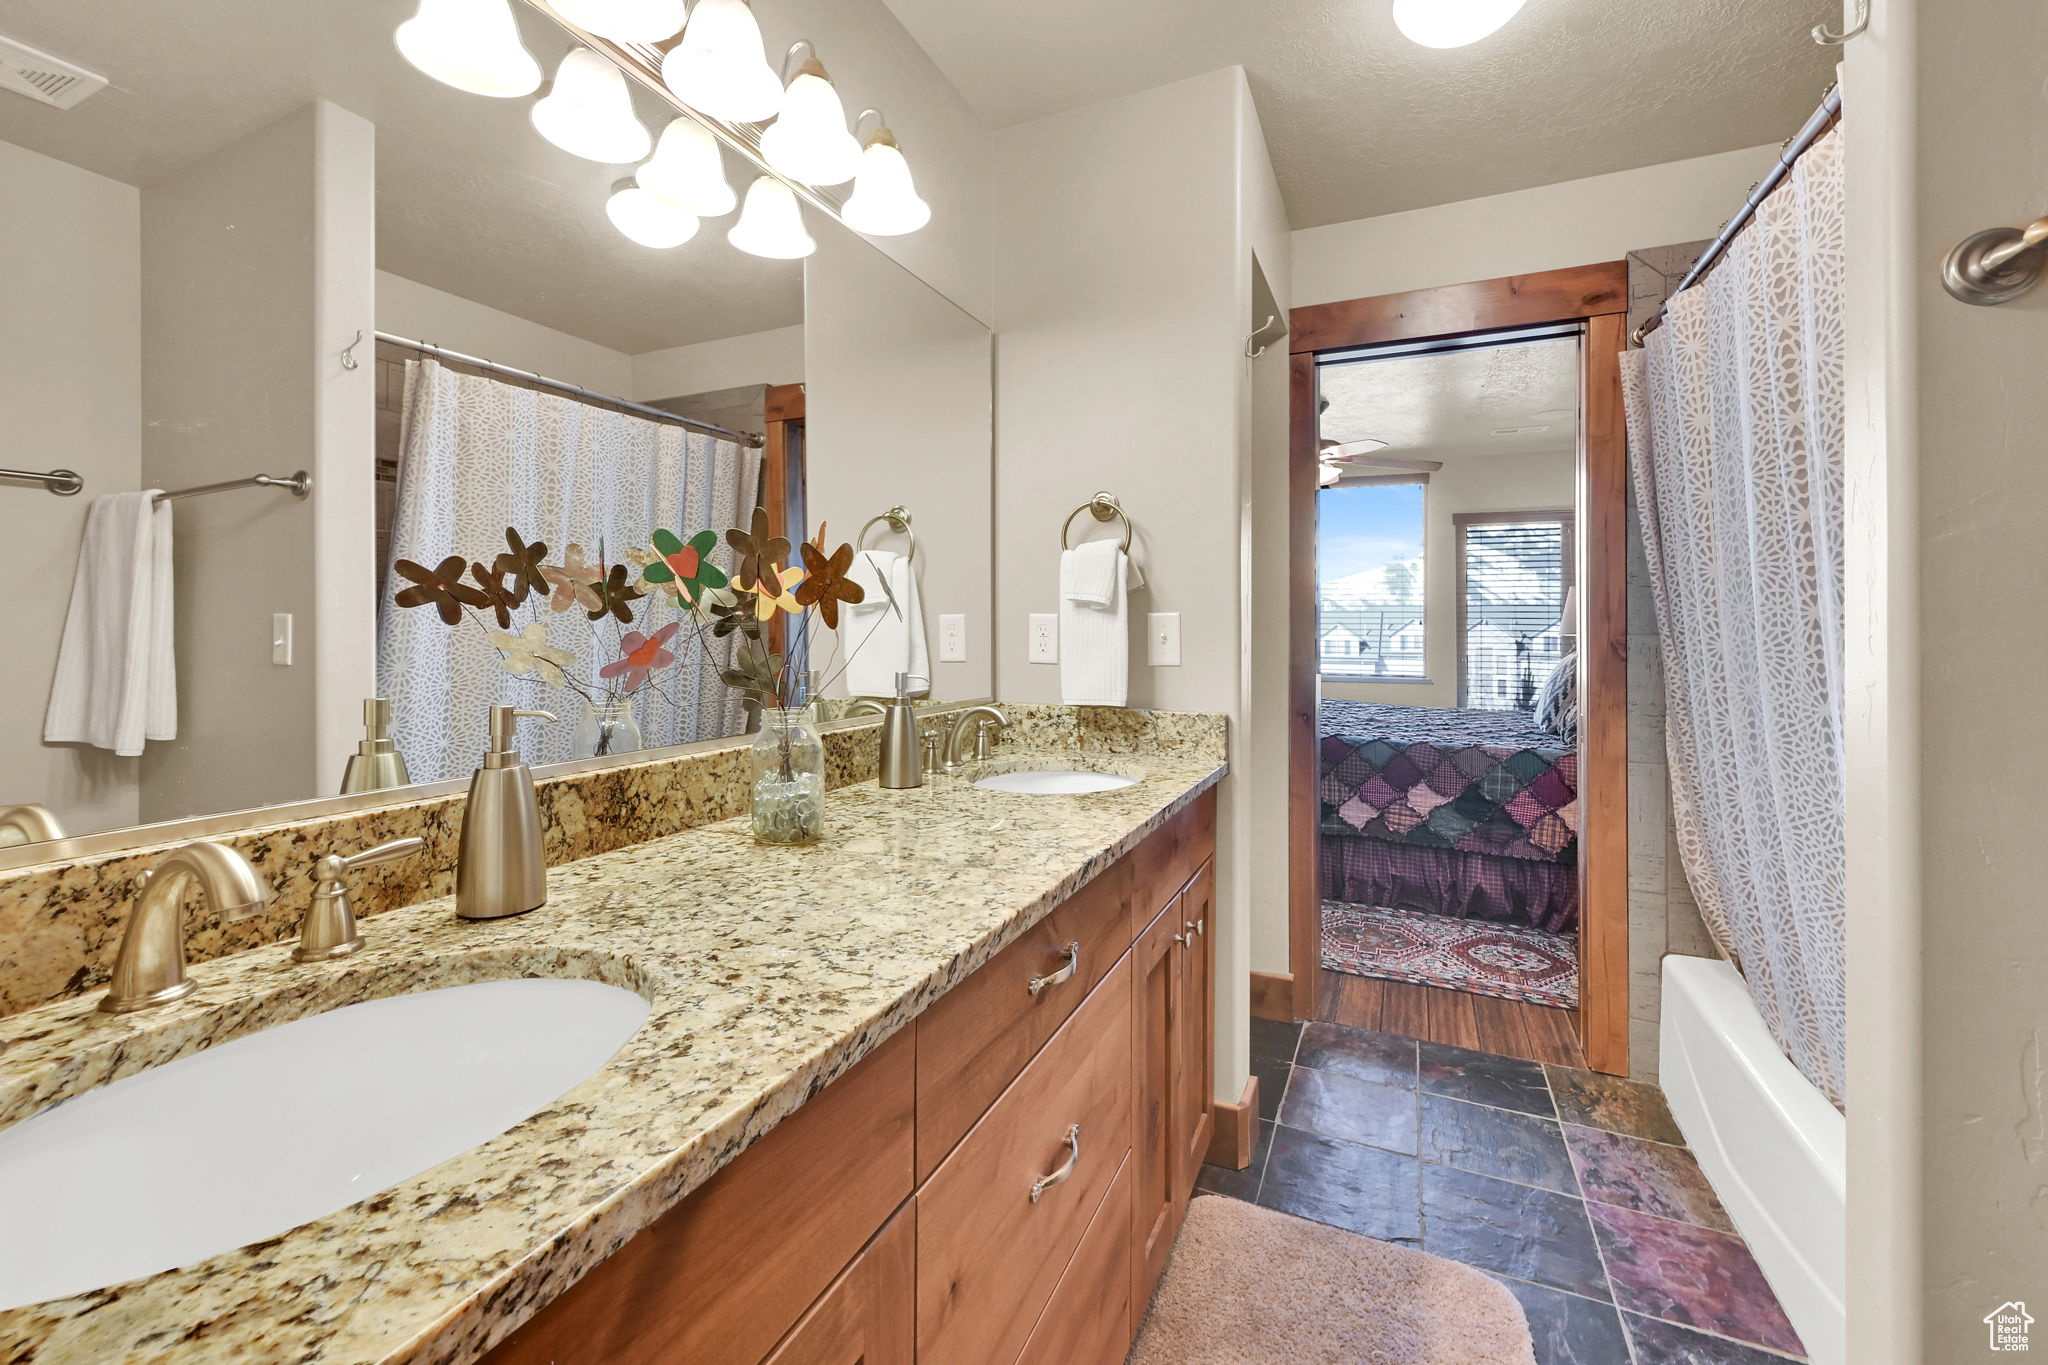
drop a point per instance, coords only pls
(952, 638)
(281, 638)
(1162, 635)
(1045, 637)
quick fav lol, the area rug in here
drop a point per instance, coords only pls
(1510, 961)
(1252, 1286)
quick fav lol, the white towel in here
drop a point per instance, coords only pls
(879, 640)
(115, 684)
(1095, 643)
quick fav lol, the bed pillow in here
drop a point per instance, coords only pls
(1557, 705)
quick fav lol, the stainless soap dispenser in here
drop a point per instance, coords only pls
(899, 768)
(376, 764)
(500, 870)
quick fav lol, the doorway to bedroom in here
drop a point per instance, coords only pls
(1446, 626)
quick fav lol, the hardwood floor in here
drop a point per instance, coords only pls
(1507, 1028)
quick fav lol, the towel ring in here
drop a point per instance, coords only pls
(1102, 507)
(898, 518)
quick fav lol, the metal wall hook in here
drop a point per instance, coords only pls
(1258, 343)
(348, 352)
(1996, 265)
(1825, 38)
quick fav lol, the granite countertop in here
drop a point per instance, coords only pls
(770, 972)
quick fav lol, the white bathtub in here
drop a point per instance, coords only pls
(1771, 1143)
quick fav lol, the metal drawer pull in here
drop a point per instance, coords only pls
(1064, 974)
(1046, 1182)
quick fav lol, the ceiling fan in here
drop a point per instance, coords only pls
(1336, 458)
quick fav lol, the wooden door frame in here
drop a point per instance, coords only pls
(1595, 296)
(782, 409)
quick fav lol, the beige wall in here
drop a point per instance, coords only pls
(775, 356)
(1600, 218)
(420, 312)
(70, 397)
(1125, 238)
(1948, 983)
(1480, 483)
(256, 269)
(897, 409)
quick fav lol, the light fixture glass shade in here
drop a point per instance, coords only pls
(688, 171)
(1452, 23)
(472, 45)
(884, 202)
(647, 218)
(720, 68)
(808, 140)
(771, 223)
(589, 113)
(628, 21)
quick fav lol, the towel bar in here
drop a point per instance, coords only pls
(62, 482)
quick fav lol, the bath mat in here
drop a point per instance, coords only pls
(1510, 961)
(1252, 1286)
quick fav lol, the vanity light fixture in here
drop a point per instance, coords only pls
(627, 21)
(472, 45)
(808, 140)
(1452, 23)
(647, 218)
(771, 223)
(589, 112)
(884, 202)
(688, 171)
(720, 68)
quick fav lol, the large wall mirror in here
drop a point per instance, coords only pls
(269, 245)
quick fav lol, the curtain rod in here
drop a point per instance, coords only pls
(640, 409)
(1823, 118)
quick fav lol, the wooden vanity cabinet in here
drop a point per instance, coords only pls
(889, 1220)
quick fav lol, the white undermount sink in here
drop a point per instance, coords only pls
(254, 1137)
(1055, 782)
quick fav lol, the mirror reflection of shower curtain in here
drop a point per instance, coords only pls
(1735, 415)
(478, 455)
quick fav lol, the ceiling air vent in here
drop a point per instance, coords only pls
(40, 76)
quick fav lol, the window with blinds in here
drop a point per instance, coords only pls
(1514, 570)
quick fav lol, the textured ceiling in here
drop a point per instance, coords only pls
(1363, 122)
(469, 198)
(1501, 400)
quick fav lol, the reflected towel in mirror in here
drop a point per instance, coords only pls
(879, 640)
(115, 685)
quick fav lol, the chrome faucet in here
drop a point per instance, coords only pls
(151, 967)
(983, 717)
(27, 824)
(861, 706)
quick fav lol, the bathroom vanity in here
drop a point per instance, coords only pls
(1000, 1181)
(860, 1059)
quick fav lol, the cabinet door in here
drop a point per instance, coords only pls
(1154, 1055)
(1194, 1028)
(869, 1315)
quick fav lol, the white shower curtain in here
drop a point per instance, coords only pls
(478, 455)
(1735, 432)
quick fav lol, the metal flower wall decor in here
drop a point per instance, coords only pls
(673, 570)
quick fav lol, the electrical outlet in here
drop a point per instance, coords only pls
(1045, 637)
(1162, 636)
(952, 638)
(281, 638)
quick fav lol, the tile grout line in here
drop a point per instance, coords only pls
(1628, 1338)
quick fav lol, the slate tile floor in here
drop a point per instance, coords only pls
(1572, 1189)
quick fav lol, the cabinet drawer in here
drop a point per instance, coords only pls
(1161, 865)
(988, 1256)
(869, 1315)
(974, 1039)
(720, 1277)
(1089, 1321)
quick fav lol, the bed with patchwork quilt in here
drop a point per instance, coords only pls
(1449, 810)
